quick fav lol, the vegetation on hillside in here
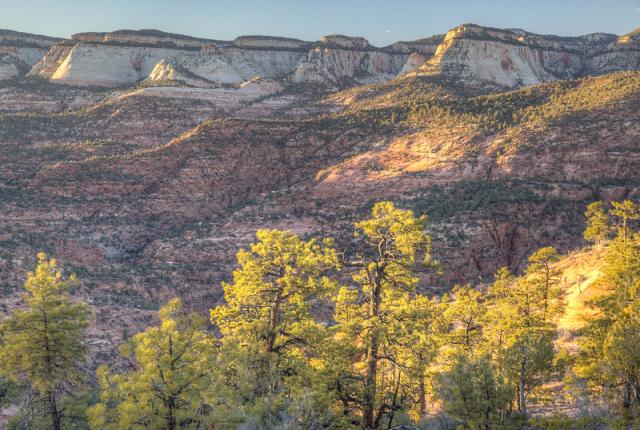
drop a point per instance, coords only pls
(418, 103)
(297, 345)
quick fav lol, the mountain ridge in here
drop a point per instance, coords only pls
(127, 57)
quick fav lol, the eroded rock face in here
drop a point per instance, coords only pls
(621, 54)
(345, 42)
(414, 61)
(510, 58)
(325, 64)
(125, 58)
(88, 64)
(20, 51)
(469, 54)
(151, 38)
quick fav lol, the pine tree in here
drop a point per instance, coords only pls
(44, 342)
(171, 386)
(465, 314)
(270, 336)
(472, 393)
(470, 385)
(610, 357)
(420, 337)
(597, 230)
(524, 313)
(625, 211)
(393, 243)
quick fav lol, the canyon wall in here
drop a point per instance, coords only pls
(20, 51)
(469, 54)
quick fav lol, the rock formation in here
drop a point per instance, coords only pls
(124, 58)
(513, 58)
(622, 53)
(20, 51)
(469, 54)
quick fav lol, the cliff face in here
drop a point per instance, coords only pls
(337, 59)
(20, 51)
(513, 58)
(469, 54)
(109, 66)
(621, 54)
(124, 58)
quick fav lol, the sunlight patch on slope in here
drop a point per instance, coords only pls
(580, 272)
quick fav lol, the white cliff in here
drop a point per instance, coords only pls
(338, 59)
(20, 51)
(508, 58)
(621, 54)
(468, 54)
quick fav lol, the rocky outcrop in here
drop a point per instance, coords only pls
(426, 47)
(469, 54)
(270, 43)
(124, 58)
(52, 60)
(20, 51)
(621, 54)
(148, 38)
(414, 61)
(345, 42)
(510, 58)
(339, 60)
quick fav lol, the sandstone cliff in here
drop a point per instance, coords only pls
(20, 51)
(513, 58)
(125, 58)
(470, 54)
(621, 54)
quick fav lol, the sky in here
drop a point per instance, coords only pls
(380, 21)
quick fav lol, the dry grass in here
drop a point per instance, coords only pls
(580, 273)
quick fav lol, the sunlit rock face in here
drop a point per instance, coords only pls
(468, 54)
(109, 66)
(113, 59)
(621, 54)
(20, 51)
(511, 58)
(125, 58)
(340, 60)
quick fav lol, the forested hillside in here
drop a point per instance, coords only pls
(310, 336)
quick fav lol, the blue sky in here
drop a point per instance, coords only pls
(380, 21)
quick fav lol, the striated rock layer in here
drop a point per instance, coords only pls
(515, 58)
(20, 51)
(621, 54)
(470, 54)
(125, 58)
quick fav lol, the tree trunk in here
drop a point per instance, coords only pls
(171, 416)
(522, 398)
(368, 419)
(370, 384)
(53, 409)
(422, 392)
(264, 370)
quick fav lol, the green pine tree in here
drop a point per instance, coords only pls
(171, 387)
(43, 343)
